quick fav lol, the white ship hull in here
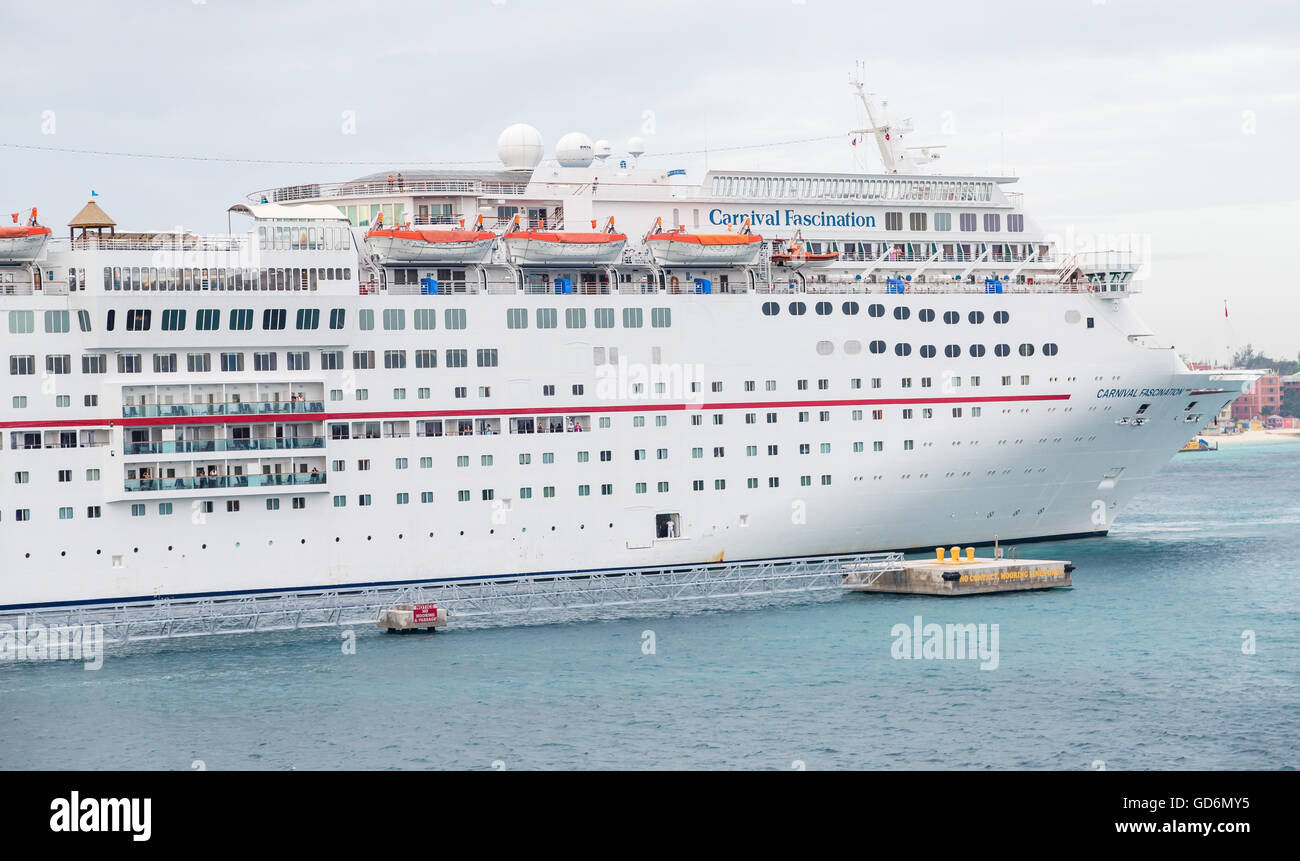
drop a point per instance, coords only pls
(1043, 458)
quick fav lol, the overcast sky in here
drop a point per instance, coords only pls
(1178, 121)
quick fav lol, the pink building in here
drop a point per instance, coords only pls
(1267, 392)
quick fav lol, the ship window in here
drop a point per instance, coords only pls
(823, 308)
(547, 318)
(138, 319)
(977, 350)
(943, 221)
(232, 362)
(164, 363)
(876, 310)
(632, 318)
(363, 359)
(927, 351)
(1026, 349)
(394, 319)
(1015, 223)
(575, 318)
(877, 347)
(94, 363)
(1001, 350)
(1001, 317)
(661, 318)
(604, 318)
(426, 358)
(1091, 322)
(264, 361)
(298, 360)
(516, 318)
(925, 315)
(850, 308)
(394, 359)
(952, 351)
(173, 320)
(1049, 349)
(425, 318)
(308, 318)
(951, 317)
(902, 349)
(457, 358)
(337, 317)
(366, 319)
(893, 221)
(241, 319)
(454, 318)
(22, 366)
(966, 221)
(487, 358)
(771, 309)
(902, 312)
(975, 317)
(992, 222)
(916, 220)
(331, 360)
(798, 309)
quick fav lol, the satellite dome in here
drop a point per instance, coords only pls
(603, 150)
(636, 146)
(574, 150)
(520, 147)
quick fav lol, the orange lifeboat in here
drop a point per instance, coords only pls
(796, 255)
(564, 247)
(23, 243)
(679, 248)
(419, 245)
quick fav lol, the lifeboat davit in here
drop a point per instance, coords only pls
(419, 245)
(564, 247)
(22, 244)
(679, 248)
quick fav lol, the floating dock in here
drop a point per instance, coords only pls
(965, 576)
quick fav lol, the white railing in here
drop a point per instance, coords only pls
(383, 187)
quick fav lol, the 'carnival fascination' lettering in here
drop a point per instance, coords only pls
(791, 218)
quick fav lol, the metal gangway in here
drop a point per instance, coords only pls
(480, 603)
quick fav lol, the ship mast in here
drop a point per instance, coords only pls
(895, 157)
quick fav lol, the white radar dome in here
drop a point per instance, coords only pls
(636, 146)
(574, 150)
(603, 150)
(520, 147)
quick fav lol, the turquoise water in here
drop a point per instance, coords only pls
(1139, 666)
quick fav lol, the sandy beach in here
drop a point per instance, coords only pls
(1253, 436)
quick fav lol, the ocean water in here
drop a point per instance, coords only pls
(1139, 666)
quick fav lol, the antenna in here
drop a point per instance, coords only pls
(889, 137)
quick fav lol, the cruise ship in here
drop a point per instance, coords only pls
(573, 363)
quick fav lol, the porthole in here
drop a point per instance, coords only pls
(336, 539)
(368, 537)
(822, 308)
(877, 347)
(798, 309)
(1001, 316)
(902, 349)
(849, 308)
(951, 317)
(1026, 349)
(65, 553)
(926, 315)
(205, 547)
(902, 312)
(952, 351)
(825, 348)
(1049, 349)
(876, 310)
(302, 540)
(975, 317)
(1002, 350)
(852, 348)
(977, 350)
(771, 309)
(927, 351)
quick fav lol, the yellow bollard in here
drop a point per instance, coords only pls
(970, 554)
(956, 554)
(938, 551)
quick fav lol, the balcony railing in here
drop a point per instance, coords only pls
(205, 446)
(326, 190)
(219, 482)
(241, 408)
